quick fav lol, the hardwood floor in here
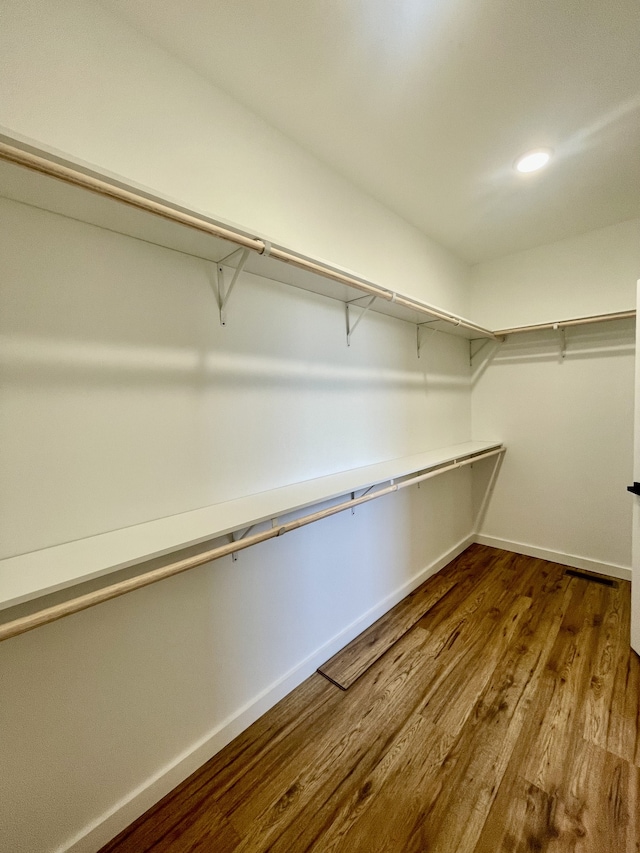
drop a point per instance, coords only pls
(494, 710)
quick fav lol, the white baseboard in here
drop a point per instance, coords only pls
(108, 825)
(609, 569)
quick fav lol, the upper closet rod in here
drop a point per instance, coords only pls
(70, 175)
(563, 324)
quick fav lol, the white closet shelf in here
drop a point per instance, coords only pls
(47, 181)
(35, 574)
(555, 325)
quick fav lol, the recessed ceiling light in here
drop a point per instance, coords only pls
(532, 161)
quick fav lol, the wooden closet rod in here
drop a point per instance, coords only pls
(53, 169)
(70, 175)
(90, 599)
(563, 324)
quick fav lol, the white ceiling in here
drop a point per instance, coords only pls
(426, 103)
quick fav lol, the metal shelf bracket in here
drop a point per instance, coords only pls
(563, 340)
(224, 294)
(474, 352)
(351, 328)
(419, 328)
(236, 536)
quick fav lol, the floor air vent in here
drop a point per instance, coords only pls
(585, 576)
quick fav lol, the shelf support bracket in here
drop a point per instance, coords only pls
(351, 329)
(419, 328)
(223, 295)
(563, 340)
(236, 536)
(474, 352)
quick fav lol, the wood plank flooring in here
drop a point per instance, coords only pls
(495, 710)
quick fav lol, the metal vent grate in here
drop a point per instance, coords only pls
(586, 576)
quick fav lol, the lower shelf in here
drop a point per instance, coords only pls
(32, 575)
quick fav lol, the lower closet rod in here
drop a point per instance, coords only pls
(90, 599)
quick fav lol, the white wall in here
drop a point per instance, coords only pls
(594, 273)
(74, 77)
(124, 399)
(567, 423)
(121, 375)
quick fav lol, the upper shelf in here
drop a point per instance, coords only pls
(37, 573)
(49, 182)
(568, 324)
